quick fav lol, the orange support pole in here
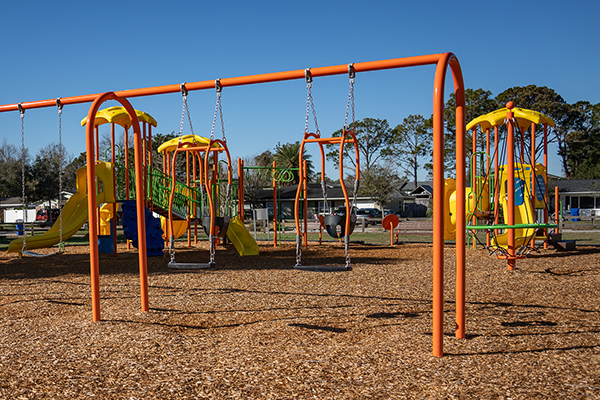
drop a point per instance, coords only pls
(189, 220)
(510, 187)
(149, 169)
(274, 183)
(487, 183)
(532, 199)
(305, 182)
(93, 221)
(444, 61)
(556, 206)
(474, 181)
(496, 183)
(546, 181)
(241, 189)
(114, 205)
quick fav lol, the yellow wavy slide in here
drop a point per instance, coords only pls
(75, 211)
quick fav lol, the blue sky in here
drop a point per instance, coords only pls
(67, 48)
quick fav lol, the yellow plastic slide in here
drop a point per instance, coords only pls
(75, 211)
(241, 238)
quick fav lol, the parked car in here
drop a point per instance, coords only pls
(47, 216)
(366, 215)
(341, 210)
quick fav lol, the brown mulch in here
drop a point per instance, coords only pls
(253, 327)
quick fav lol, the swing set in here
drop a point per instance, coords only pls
(56, 231)
(215, 226)
(336, 225)
(442, 63)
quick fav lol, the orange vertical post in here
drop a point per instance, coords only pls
(305, 182)
(274, 183)
(114, 205)
(92, 206)
(556, 206)
(496, 183)
(474, 186)
(189, 220)
(533, 132)
(126, 151)
(241, 189)
(487, 182)
(546, 183)
(510, 187)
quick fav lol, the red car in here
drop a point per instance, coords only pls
(47, 216)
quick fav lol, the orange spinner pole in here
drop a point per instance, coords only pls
(546, 181)
(274, 183)
(510, 187)
(532, 197)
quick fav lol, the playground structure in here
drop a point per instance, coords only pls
(506, 196)
(441, 61)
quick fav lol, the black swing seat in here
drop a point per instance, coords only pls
(222, 223)
(331, 223)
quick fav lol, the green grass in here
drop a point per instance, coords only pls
(378, 237)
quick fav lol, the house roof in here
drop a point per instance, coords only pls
(11, 202)
(422, 189)
(583, 186)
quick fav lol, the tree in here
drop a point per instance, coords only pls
(376, 143)
(50, 163)
(257, 180)
(548, 102)
(477, 102)
(582, 145)
(11, 167)
(287, 156)
(379, 183)
(415, 137)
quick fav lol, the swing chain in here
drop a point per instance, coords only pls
(218, 109)
(347, 250)
(171, 248)
(219, 89)
(212, 249)
(185, 110)
(309, 103)
(298, 250)
(61, 245)
(22, 112)
(351, 75)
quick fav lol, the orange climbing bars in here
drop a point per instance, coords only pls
(442, 61)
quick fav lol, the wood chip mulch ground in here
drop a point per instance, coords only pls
(255, 328)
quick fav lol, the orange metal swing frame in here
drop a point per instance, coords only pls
(442, 61)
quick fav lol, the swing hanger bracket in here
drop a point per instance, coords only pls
(184, 91)
(351, 72)
(59, 104)
(308, 76)
(21, 109)
(218, 87)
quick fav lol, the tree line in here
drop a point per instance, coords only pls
(389, 156)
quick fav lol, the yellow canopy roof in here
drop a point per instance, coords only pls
(119, 116)
(524, 119)
(171, 145)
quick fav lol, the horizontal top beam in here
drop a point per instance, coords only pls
(238, 81)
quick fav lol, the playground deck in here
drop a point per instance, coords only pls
(255, 328)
